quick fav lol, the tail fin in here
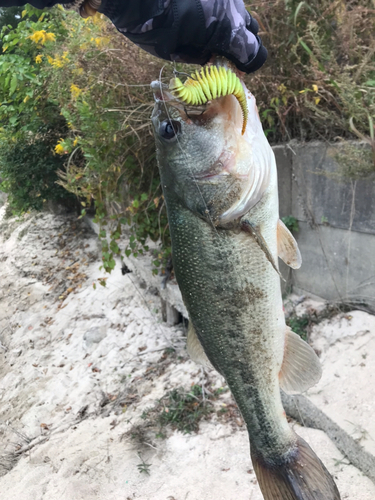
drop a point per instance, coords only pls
(301, 477)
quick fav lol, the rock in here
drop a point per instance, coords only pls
(94, 336)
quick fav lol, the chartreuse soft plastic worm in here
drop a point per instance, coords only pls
(208, 84)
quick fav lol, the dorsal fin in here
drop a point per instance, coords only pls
(301, 366)
(287, 247)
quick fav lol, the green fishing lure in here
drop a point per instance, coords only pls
(208, 84)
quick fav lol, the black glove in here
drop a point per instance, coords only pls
(190, 30)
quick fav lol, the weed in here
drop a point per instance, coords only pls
(354, 162)
(143, 467)
(291, 223)
(320, 70)
(358, 429)
(178, 409)
(342, 461)
(299, 325)
(184, 410)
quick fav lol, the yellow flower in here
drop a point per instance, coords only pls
(42, 37)
(26, 98)
(317, 100)
(38, 58)
(57, 62)
(70, 125)
(315, 88)
(59, 148)
(76, 91)
(50, 37)
(75, 142)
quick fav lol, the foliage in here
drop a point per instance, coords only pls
(180, 409)
(10, 16)
(299, 325)
(320, 71)
(65, 67)
(28, 171)
(183, 410)
(143, 466)
(291, 223)
(354, 162)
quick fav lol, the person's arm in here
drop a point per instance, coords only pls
(180, 30)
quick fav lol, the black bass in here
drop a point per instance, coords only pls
(220, 188)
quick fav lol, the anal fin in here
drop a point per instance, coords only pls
(301, 367)
(287, 247)
(195, 348)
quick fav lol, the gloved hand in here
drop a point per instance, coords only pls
(179, 30)
(188, 30)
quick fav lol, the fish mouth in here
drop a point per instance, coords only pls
(167, 104)
(242, 163)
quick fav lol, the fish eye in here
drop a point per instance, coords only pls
(169, 129)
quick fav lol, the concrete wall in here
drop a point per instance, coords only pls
(337, 223)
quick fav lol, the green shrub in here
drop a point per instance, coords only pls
(320, 70)
(28, 168)
(291, 223)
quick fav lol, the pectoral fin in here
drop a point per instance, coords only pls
(195, 349)
(287, 247)
(249, 228)
(301, 366)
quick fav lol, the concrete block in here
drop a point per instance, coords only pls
(336, 264)
(320, 195)
(283, 157)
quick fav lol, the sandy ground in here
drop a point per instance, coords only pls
(80, 366)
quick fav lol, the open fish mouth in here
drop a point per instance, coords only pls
(201, 115)
(226, 156)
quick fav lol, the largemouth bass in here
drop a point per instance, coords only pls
(220, 188)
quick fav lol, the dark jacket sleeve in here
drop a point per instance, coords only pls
(182, 30)
(190, 30)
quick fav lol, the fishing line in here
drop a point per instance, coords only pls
(186, 155)
(207, 213)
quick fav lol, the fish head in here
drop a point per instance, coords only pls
(204, 159)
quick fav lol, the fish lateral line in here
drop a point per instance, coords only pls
(254, 231)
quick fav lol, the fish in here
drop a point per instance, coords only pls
(220, 189)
